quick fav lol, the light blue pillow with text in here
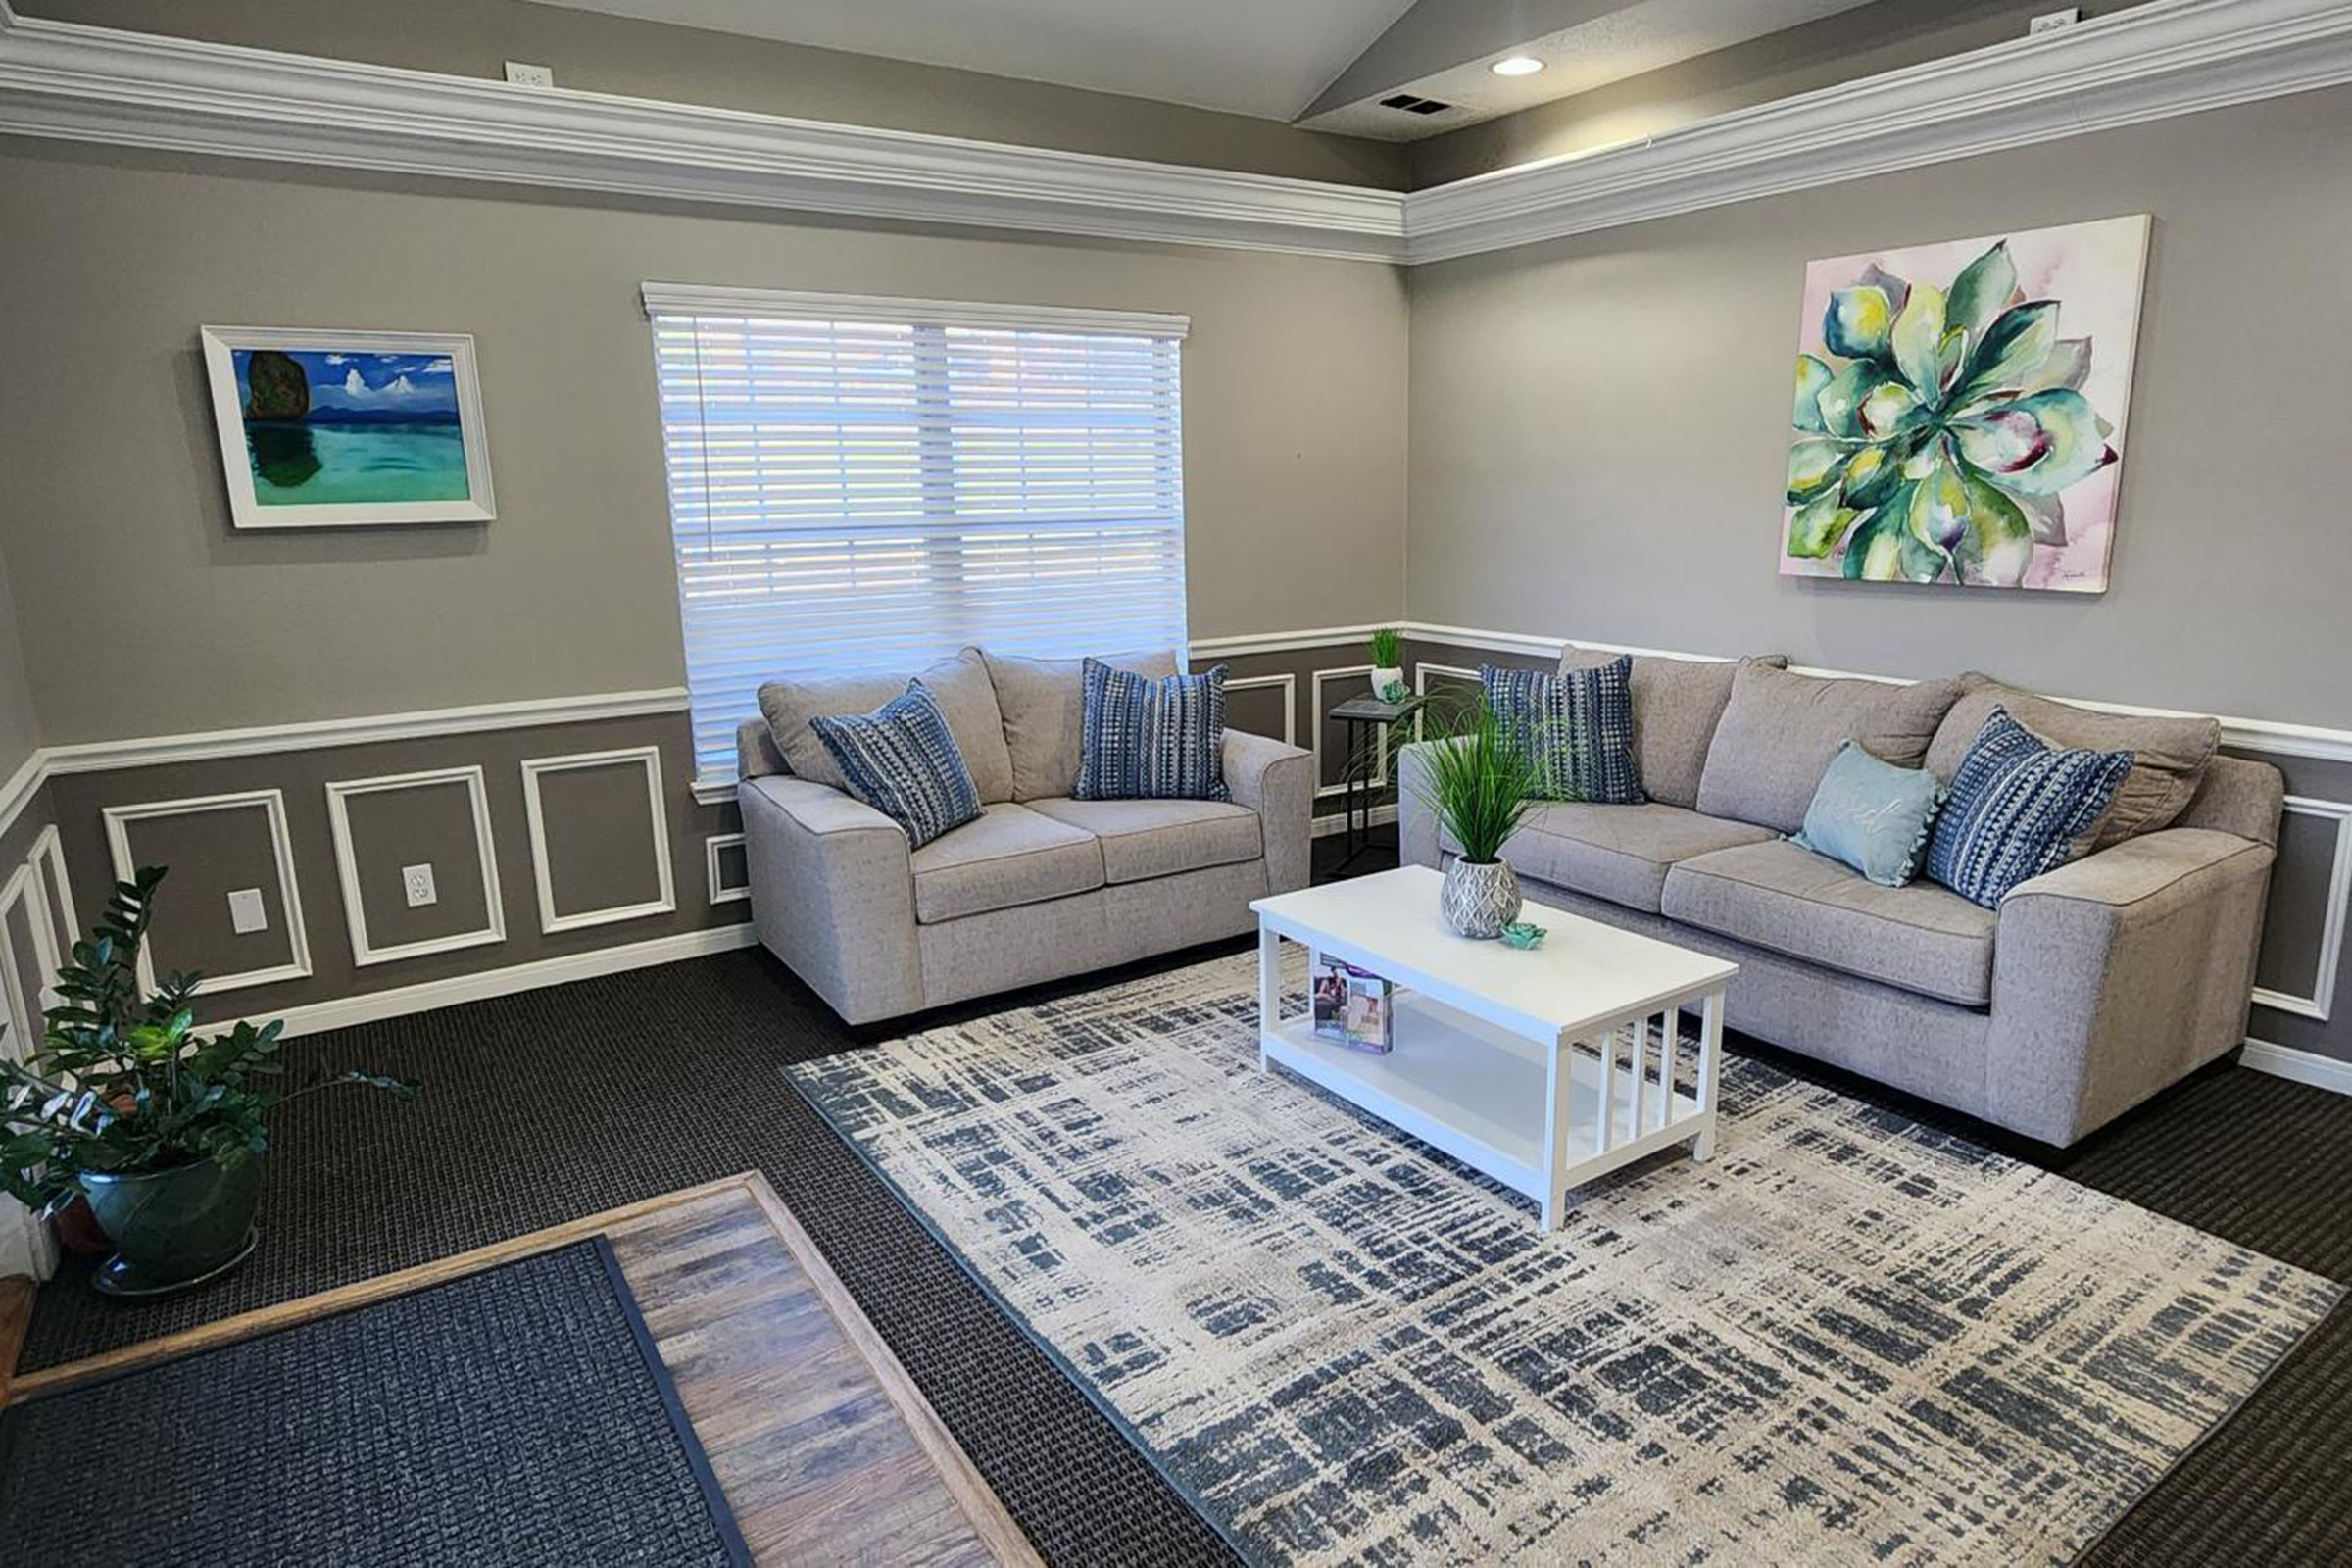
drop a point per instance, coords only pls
(1872, 816)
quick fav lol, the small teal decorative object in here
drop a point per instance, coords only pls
(1524, 935)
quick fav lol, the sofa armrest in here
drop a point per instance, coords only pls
(833, 895)
(1417, 839)
(2120, 975)
(1278, 783)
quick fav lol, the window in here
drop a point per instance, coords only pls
(870, 484)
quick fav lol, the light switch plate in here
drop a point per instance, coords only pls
(245, 913)
(2052, 20)
(417, 881)
(522, 73)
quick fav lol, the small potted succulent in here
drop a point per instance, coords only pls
(159, 1128)
(1479, 786)
(1388, 664)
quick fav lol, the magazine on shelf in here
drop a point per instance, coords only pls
(1353, 1008)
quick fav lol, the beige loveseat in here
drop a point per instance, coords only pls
(1040, 886)
(2090, 988)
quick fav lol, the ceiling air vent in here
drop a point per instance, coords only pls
(1414, 106)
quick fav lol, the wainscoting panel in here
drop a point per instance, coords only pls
(1327, 689)
(727, 866)
(215, 846)
(439, 819)
(1264, 705)
(592, 868)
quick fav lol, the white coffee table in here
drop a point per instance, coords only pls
(1486, 1064)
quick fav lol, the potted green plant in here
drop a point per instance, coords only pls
(1388, 664)
(160, 1127)
(1479, 786)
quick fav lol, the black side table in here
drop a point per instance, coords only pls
(1364, 716)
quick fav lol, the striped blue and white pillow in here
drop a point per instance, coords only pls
(901, 760)
(1581, 725)
(2017, 807)
(1151, 740)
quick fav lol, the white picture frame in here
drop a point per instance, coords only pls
(391, 399)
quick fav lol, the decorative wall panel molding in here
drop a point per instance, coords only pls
(25, 888)
(2322, 1000)
(1422, 671)
(1316, 709)
(339, 794)
(272, 803)
(1287, 683)
(49, 855)
(2170, 56)
(25, 1246)
(721, 890)
(648, 759)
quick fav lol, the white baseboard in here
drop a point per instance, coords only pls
(1337, 822)
(399, 1001)
(2303, 1066)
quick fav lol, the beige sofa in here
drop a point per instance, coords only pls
(1041, 885)
(2090, 988)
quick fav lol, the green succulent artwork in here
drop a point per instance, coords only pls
(1938, 425)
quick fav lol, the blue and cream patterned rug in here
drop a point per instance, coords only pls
(1848, 1338)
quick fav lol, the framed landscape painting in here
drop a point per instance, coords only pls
(330, 428)
(1960, 410)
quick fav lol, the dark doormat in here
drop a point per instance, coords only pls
(519, 1415)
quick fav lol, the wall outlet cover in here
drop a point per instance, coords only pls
(417, 881)
(2052, 20)
(524, 75)
(246, 914)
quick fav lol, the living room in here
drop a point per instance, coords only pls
(724, 621)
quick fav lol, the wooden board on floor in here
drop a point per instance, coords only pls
(825, 1448)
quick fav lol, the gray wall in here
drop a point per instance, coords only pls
(1295, 416)
(19, 733)
(1885, 36)
(596, 53)
(1599, 427)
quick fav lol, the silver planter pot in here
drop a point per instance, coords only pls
(1478, 900)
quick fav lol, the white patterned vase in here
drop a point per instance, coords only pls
(1387, 684)
(1478, 900)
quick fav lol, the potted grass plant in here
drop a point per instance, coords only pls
(1388, 664)
(162, 1129)
(1480, 787)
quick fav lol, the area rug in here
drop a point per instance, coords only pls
(1849, 1338)
(520, 1415)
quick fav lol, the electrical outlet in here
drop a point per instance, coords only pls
(417, 882)
(2052, 20)
(245, 913)
(524, 75)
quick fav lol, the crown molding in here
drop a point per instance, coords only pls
(77, 82)
(2170, 56)
(85, 83)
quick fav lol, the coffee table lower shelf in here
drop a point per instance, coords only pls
(1488, 1097)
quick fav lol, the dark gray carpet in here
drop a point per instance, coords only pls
(453, 1424)
(556, 1104)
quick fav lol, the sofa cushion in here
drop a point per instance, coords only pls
(1618, 852)
(1008, 856)
(1044, 705)
(1921, 938)
(965, 695)
(1780, 730)
(1145, 839)
(2169, 755)
(1676, 702)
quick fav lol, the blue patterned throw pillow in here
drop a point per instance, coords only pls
(1151, 740)
(2017, 805)
(1580, 724)
(901, 760)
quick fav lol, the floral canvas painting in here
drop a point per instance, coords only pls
(1960, 410)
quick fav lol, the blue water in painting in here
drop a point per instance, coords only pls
(367, 463)
(339, 428)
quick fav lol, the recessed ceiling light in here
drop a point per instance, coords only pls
(1517, 66)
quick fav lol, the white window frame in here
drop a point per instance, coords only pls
(1164, 525)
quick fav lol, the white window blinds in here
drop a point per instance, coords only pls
(869, 484)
